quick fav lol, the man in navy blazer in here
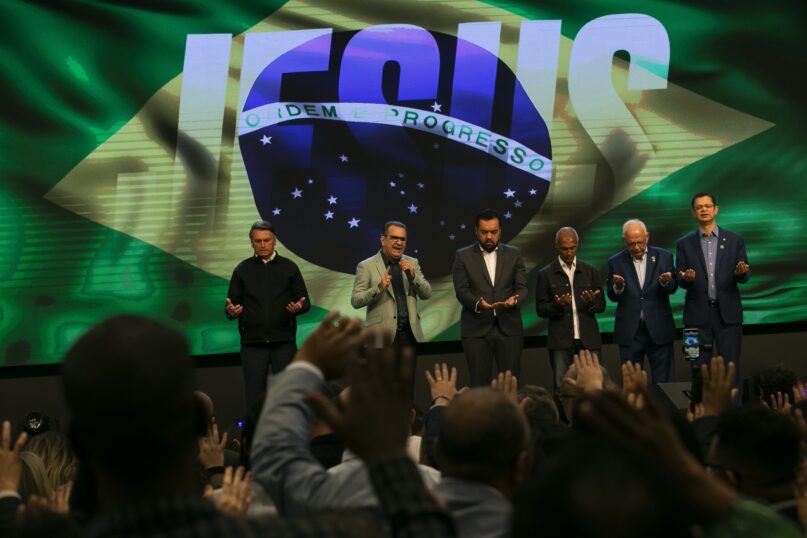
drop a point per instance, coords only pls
(641, 280)
(490, 281)
(710, 262)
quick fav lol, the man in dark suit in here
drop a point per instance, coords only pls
(490, 281)
(711, 261)
(641, 280)
(569, 293)
(266, 294)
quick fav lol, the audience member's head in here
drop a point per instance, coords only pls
(484, 438)
(33, 476)
(55, 451)
(205, 404)
(776, 380)
(591, 488)
(540, 410)
(128, 383)
(756, 451)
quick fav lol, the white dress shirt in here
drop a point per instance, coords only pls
(569, 270)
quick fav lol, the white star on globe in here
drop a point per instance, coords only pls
(413, 208)
(296, 193)
(331, 200)
(276, 211)
(451, 237)
(437, 107)
(392, 183)
(310, 181)
(507, 215)
(518, 203)
(354, 222)
(421, 185)
(266, 140)
(343, 158)
(533, 192)
(509, 193)
(328, 215)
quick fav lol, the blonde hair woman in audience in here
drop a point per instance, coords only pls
(33, 477)
(57, 455)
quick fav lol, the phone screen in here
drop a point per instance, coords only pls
(692, 344)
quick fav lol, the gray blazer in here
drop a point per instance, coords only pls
(282, 462)
(381, 309)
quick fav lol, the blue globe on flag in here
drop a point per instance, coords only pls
(397, 123)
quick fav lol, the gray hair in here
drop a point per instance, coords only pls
(632, 222)
(567, 230)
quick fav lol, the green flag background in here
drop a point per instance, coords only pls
(76, 72)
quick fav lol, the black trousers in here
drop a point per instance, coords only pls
(256, 359)
(405, 339)
(495, 347)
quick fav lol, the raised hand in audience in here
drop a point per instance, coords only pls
(718, 383)
(695, 413)
(634, 379)
(589, 373)
(507, 383)
(608, 414)
(798, 392)
(334, 342)
(778, 402)
(236, 492)
(211, 447)
(375, 422)
(10, 466)
(443, 384)
(57, 503)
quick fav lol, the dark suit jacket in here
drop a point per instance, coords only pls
(689, 255)
(552, 280)
(472, 283)
(650, 297)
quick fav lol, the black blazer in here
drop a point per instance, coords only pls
(552, 280)
(472, 283)
(649, 297)
(689, 255)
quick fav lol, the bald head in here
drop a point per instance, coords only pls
(481, 435)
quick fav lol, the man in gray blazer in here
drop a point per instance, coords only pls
(389, 285)
(490, 281)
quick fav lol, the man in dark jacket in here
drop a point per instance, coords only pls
(569, 293)
(266, 294)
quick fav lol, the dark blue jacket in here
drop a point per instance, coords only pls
(649, 297)
(689, 255)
